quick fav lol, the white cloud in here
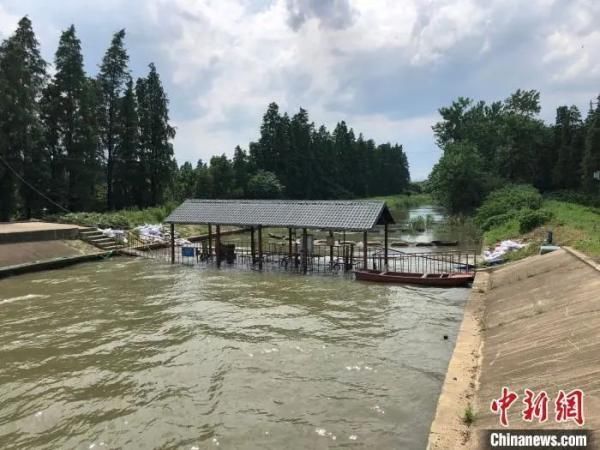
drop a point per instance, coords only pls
(384, 67)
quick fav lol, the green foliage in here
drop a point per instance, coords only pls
(458, 181)
(515, 147)
(531, 219)
(571, 196)
(22, 80)
(591, 155)
(124, 219)
(573, 224)
(264, 185)
(156, 150)
(111, 81)
(507, 200)
(495, 221)
(468, 415)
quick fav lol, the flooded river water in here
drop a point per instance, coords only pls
(127, 353)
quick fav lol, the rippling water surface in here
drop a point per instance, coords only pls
(137, 354)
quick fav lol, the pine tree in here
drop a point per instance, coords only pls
(591, 156)
(156, 133)
(128, 175)
(68, 110)
(111, 79)
(568, 142)
(301, 158)
(22, 79)
(204, 187)
(241, 171)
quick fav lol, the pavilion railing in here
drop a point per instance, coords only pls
(323, 258)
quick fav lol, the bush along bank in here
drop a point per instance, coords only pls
(520, 212)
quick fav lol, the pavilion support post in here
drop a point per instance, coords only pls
(209, 239)
(290, 247)
(304, 250)
(218, 245)
(365, 250)
(260, 248)
(172, 243)
(252, 246)
(331, 242)
(385, 246)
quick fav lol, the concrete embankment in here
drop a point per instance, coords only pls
(32, 246)
(531, 324)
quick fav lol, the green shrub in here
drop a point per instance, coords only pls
(579, 198)
(495, 221)
(508, 199)
(530, 219)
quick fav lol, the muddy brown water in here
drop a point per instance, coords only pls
(132, 353)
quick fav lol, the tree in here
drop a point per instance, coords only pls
(204, 184)
(156, 133)
(111, 80)
(186, 182)
(264, 185)
(71, 132)
(591, 156)
(301, 174)
(128, 175)
(568, 144)
(241, 171)
(22, 79)
(221, 175)
(458, 180)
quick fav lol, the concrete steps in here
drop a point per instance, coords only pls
(95, 237)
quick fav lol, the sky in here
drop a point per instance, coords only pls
(385, 67)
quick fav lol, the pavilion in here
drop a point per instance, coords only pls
(254, 215)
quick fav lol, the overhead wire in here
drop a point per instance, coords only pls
(33, 188)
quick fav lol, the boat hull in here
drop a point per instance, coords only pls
(435, 280)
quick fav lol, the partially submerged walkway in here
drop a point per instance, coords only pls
(30, 246)
(532, 324)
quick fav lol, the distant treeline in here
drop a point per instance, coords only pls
(80, 143)
(488, 146)
(76, 142)
(295, 159)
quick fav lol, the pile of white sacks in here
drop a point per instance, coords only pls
(148, 233)
(496, 255)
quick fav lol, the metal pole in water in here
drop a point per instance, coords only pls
(260, 249)
(252, 246)
(304, 250)
(218, 245)
(365, 250)
(172, 243)
(331, 242)
(385, 246)
(290, 250)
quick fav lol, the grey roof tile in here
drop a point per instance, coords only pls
(325, 214)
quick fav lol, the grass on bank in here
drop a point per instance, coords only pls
(123, 219)
(572, 224)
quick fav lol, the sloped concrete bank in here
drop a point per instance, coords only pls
(531, 324)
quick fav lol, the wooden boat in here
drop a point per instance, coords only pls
(424, 244)
(399, 244)
(445, 243)
(425, 279)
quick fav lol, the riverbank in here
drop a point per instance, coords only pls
(530, 324)
(31, 246)
(572, 224)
